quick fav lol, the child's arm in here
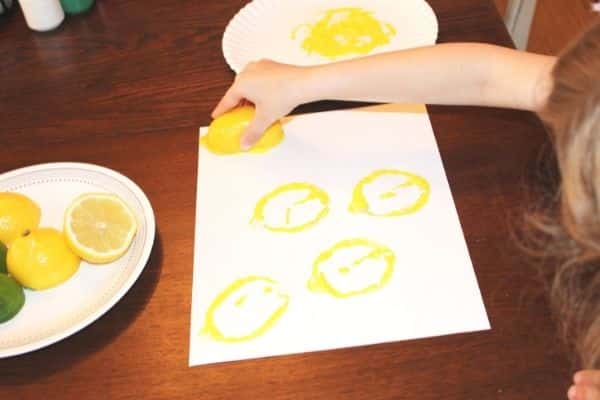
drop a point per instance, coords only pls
(457, 74)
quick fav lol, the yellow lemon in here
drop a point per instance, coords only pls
(225, 132)
(352, 267)
(99, 227)
(245, 310)
(345, 31)
(292, 207)
(390, 193)
(42, 259)
(18, 216)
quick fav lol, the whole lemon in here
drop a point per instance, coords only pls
(42, 259)
(18, 215)
(225, 132)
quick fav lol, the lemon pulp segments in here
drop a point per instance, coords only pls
(99, 227)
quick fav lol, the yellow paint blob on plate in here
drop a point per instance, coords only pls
(390, 193)
(352, 267)
(292, 207)
(345, 31)
(245, 310)
(225, 133)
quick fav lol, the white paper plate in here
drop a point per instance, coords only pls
(54, 314)
(263, 28)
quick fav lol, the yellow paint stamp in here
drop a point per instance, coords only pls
(292, 207)
(390, 193)
(245, 310)
(352, 267)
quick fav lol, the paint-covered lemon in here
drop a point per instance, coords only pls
(18, 216)
(42, 259)
(352, 267)
(245, 310)
(345, 31)
(225, 133)
(390, 193)
(292, 207)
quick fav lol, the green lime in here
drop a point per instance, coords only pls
(12, 298)
(3, 258)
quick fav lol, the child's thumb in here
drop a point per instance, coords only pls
(254, 131)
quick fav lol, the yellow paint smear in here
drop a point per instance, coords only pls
(314, 193)
(212, 329)
(345, 31)
(360, 203)
(323, 282)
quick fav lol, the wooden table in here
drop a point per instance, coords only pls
(126, 86)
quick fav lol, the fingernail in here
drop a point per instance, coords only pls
(577, 377)
(245, 146)
(572, 393)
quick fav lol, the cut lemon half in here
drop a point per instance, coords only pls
(99, 227)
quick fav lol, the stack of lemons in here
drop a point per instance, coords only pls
(98, 228)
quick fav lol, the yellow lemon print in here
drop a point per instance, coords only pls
(390, 193)
(292, 207)
(225, 132)
(345, 31)
(245, 310)
(352, 267)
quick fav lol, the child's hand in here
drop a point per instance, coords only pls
(586, 386)
(274, 89)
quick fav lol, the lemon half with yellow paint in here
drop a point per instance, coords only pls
(245, 310)
(390, 193)
(352, 267)
(19, 215)
(292, 207)
(41, 259)
(345, 31)
(225, 133)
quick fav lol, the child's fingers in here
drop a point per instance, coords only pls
(230, 100)
(255, 129)
(587, 377)
(583, 392)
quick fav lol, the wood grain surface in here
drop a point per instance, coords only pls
(126, 86)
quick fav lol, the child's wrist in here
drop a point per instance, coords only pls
(310, 85)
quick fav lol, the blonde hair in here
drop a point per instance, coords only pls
(570, 231)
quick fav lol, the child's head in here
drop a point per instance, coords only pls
(573, 115)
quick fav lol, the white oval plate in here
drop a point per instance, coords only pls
(54, 314)
(263, 28)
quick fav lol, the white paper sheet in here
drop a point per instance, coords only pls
(432, 289)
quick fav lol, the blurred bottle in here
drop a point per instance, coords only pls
(5, 6)
(76, 6)
(42, 15)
